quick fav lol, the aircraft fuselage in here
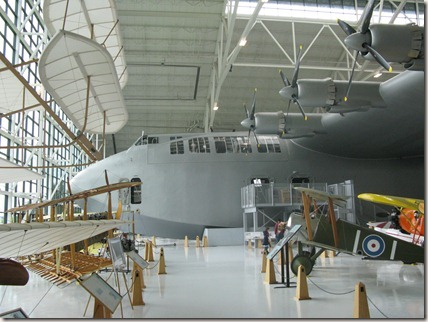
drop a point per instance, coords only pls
(194, 181)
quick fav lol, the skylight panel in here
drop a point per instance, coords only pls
(329, 10)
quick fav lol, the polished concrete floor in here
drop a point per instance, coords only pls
(226, 282)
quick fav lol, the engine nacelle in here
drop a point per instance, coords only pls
(287, 127)
(398, 43)
(316, 92)
(415, 64)
(269, 123)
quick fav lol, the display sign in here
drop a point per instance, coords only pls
(102, 291)
(137, 259)
(117, 254)
(287, 236)
(14, 314)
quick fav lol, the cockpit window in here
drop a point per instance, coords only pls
(199, 145)
(227, 144)
(177, 146)
(141, 140)
(153, 140)
(268, 144)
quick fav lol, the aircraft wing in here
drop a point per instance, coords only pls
(367, 242)
(80, 195)
(339, 201)
(34, 238)
(10, 172)
(401, 202)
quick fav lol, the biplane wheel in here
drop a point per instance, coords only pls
(303, 260)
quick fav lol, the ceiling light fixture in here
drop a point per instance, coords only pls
(242, 42)
(379, 74)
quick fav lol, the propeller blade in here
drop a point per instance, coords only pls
(253, 108)
(288, 108)
(255, 136)
(246, 111)
(301, 109)
(378, 57)
(296, 68)
(284, 78)
(352, 75)
(367, 16)
(346, 27)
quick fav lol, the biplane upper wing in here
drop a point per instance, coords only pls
(80, 195)
(35, 238)
(401, 202)
(323, 196)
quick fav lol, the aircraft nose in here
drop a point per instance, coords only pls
(247, 123)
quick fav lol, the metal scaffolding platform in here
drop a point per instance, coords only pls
(263, 204)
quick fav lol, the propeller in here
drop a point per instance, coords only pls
(290, 91)
(250, 122)
(360, 41)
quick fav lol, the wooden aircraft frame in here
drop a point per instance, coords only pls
(40, 237)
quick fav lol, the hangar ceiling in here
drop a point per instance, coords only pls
(183, 57)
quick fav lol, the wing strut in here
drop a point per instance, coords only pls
(306, 207)
(109, 206)
(333, 222)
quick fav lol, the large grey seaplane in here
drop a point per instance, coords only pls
(193, 181)
(375, 137)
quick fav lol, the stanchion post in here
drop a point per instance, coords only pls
(270, 277)
(302, 292)
(361, 306)
(264, 262)
(161, 265)
(150, 252)
(137, 286)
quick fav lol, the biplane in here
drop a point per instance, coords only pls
(324, 231)
(38, 245)
(406, 220)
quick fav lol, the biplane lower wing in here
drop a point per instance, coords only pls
(367, 242)
(35, 238)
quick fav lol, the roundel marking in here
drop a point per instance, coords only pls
(373, 245)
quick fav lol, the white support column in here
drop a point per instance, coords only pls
(227, 63)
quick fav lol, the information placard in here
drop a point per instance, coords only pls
(117, 254)
(137, 259)
(102, 291)
(287, 236)
(14, 314)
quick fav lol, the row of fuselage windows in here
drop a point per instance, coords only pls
(225, 144)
